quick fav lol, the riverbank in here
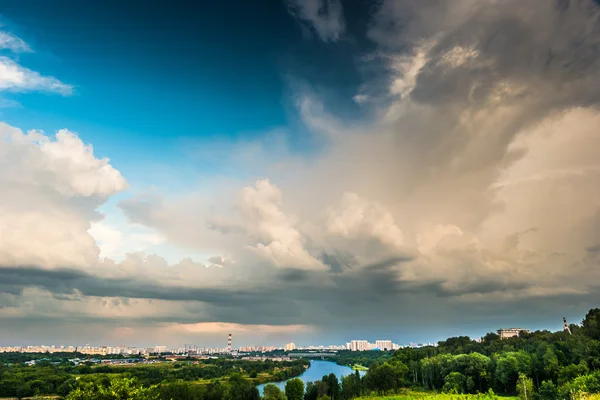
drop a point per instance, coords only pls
(358, 367)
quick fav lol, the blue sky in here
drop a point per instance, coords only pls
(149, 80)
(286, 168)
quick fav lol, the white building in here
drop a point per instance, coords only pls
(510, 332)
(160, 349)
(359, 345)
(290, 346)
(384, 344)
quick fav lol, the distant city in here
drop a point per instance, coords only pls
(354, 345)
(195, 350)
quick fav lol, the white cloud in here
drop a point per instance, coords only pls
(51, 188)
(281, 241)
(361, 98)
(8, 41)
(116, 242)
(358, 218)
(326, 17)
(15, 77)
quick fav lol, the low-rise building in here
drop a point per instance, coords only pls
(511, 332)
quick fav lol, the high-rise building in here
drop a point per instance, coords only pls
(359, 345)
(383, 344)
(290, 346)
(160, 349)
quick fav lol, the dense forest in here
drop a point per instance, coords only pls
(46, 378)
(541, 365)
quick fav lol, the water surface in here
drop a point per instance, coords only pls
(315, 373)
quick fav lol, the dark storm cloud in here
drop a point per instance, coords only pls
(541, 44)
(67, 281)
(338, 261)
(294, 275)
(594, 249)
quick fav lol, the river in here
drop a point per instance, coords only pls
(315, 373)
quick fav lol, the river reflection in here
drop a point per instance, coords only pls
(315, 373)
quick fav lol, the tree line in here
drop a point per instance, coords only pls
(46, 378)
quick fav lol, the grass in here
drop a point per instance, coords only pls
(436, 396)
(358, 367)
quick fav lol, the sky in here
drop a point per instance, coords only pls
(314, 171)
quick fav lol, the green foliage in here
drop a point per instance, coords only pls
(119, 389)
(591, 323)
(312, 392)
(386, 377)
(61, 379)
(525, 387)
(474, 367)
(547, 391)
(294, 389)
(509, 366)
(351, 386)
(333, 386)
(272, 392)
(364, 358)
(241, 389)
(454, 382)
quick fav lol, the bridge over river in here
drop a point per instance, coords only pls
(315, 354)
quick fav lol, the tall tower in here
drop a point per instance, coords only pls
(229, 343)
(566, 326)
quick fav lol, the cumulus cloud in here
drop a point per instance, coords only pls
(326, 17)
(51, 188)
(282, 242)
(359, 218)
(115, 242)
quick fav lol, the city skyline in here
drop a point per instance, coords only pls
(196, 349)
(316, 171)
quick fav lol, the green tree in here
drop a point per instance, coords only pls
(272, 392)
(294, 389)
(525, 387)
(312, 392)
(454, 383)
(119, 389)
(572, 371)
(333, 386)
(241, 389)
(547, 391)
(591, 323)
(508, 367)
(490, 337)
(351, 386)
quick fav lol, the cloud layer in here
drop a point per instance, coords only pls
(470, 187)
